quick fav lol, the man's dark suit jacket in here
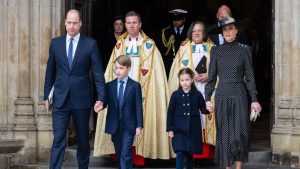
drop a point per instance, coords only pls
(131, 107)
(168, 59)
(75, 80)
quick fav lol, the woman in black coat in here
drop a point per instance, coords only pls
(183, 119)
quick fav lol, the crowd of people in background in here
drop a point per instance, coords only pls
(156, 99)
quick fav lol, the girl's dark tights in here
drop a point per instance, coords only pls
(180, 158)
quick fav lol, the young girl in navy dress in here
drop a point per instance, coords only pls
(183, 119)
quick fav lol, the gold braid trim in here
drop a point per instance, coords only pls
(168, 44)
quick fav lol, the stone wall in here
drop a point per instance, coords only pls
(285, 136)
(27, 27)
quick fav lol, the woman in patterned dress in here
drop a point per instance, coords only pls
(232, 64)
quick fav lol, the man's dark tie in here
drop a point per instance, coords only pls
(70, 52)
(120, 96)
(177, 32)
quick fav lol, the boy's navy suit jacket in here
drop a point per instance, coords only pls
(131, 107)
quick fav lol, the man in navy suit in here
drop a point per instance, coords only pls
(124, 117)
(71, 59)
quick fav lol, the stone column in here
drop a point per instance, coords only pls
(285, 136)
(27, 27)
(25, 126)
(5, 116)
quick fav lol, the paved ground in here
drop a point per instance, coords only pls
(202, 167)
(105, 163)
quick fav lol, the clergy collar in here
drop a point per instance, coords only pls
(142, 35)
(129, 38)
(201, 43)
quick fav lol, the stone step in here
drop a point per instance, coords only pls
(66, 165)
(96, 166)
(8, 146)
(256, 156)
(70, 156)
(260, 156)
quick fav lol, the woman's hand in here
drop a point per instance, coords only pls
(197, 77)
(257, 108)
(203, 77)
(209, 106)
(171, 134)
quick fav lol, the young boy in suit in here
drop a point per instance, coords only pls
(124, 117)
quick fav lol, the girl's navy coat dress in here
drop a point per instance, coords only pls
(183, 119)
